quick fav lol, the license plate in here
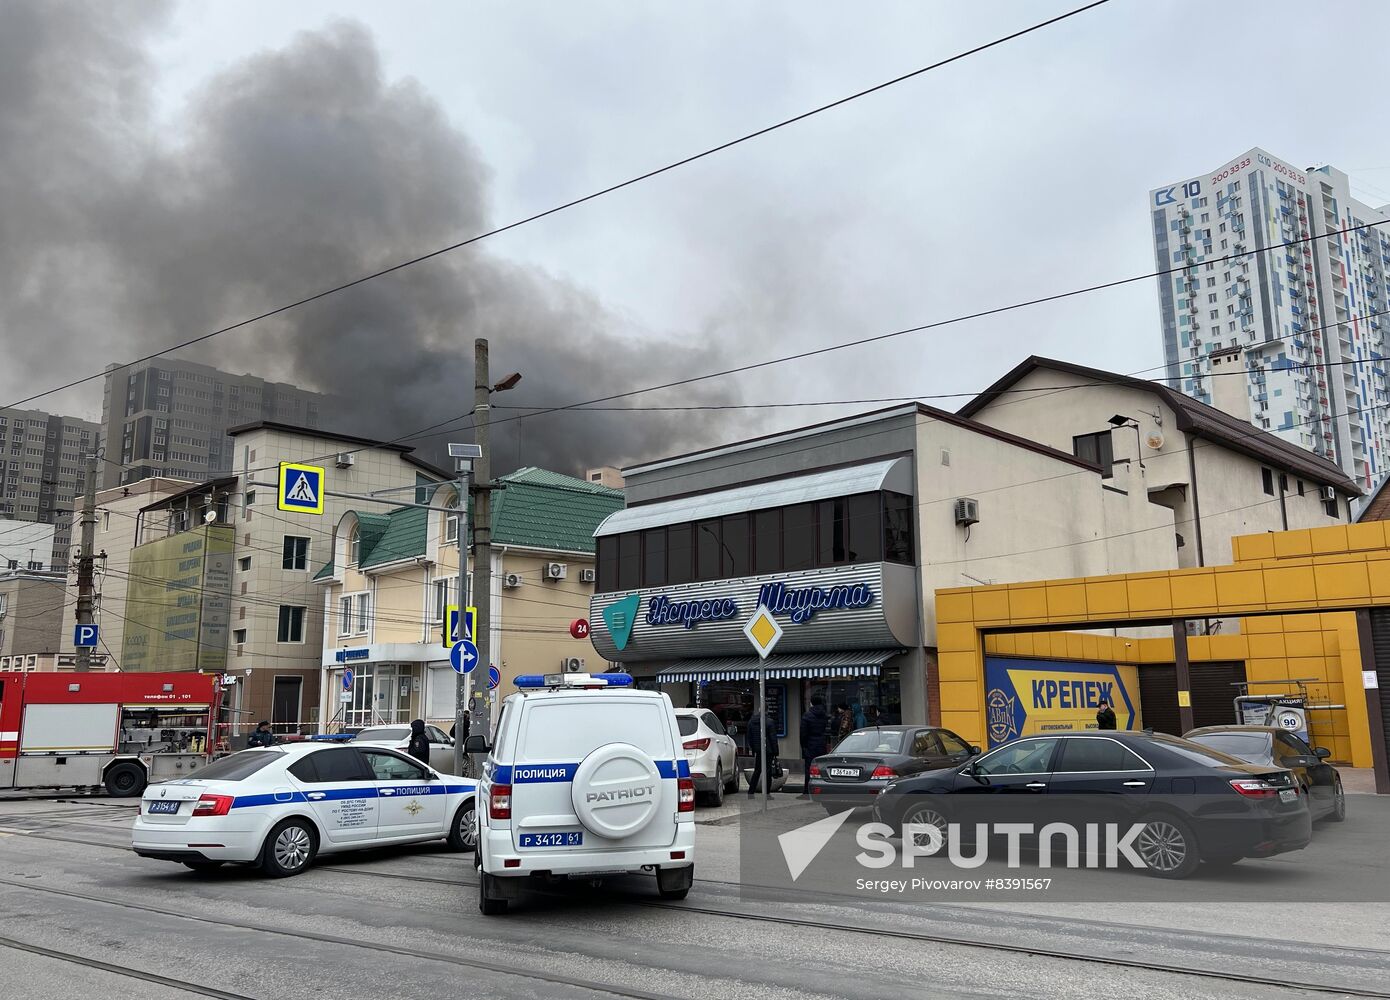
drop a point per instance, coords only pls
(164, 807)
(1288, 795)
(844, 772)
(572, 839)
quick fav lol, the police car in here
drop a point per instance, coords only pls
(587, 778)
(281, 807)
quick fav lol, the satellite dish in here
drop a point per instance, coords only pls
(1154, 440)
(209, 516)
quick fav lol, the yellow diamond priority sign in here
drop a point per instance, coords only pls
(763, 631)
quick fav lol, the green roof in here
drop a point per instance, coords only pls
(536, 509)
(546, 510)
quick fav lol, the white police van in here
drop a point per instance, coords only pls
(587, 778)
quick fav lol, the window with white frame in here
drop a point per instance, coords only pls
(345, 620)
(355, 547)
(364, 612)
(296, 552)
(354, 614)
(451, 525)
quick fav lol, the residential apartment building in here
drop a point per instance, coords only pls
(42, 461)
(1289, 337)
(171, 418)
(394, 575)
(220, 579)
(32, 604)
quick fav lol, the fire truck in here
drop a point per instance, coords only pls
(120, 731)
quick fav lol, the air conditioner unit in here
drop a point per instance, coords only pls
(345, 459)
(572, 664)
(556, 571)
(511, 581)
(587, 575)
(967, 511)
(1329, 494)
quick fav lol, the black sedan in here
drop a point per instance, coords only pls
(1194, 804)
(1270, 746)
(867, 759)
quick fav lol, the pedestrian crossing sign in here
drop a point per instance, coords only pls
(301, 488)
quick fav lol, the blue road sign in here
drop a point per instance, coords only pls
(301, 488)
(469, 616)
(86, 636)
(347, 679)
(494, 677)
(463, 657)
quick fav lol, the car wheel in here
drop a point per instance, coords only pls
(289, 848)
(202, 866)
(125, 780)
(1167, 847)
(489, 905)
(463, 835)
(925, 815)
(1339, 806)
(716, 797)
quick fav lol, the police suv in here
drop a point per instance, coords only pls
(587, 778)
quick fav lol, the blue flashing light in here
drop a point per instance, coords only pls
(530, 681)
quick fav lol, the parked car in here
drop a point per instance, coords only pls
(1270, 746)
(280, 807)
(711, 753)
(1196, 804)
(398, 738)
(867, 759)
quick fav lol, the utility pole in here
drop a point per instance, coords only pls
(85, 576)
(461, 681)
(481, 719)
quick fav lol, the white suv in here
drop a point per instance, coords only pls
(587, 778)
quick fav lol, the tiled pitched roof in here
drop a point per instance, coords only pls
(536, 509)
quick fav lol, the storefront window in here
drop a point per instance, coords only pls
(707, 550)
(767, 541)
(654, 558)
(734, 561)
(799, 537)
(607, 563)
(734, 702)
(629, 561)
(832, 536)
(897, 528)
(871, 700)
(680, 554)
(380, 696)
(865, 533)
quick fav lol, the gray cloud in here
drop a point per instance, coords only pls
(288, 172)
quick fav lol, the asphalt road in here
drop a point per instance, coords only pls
(404, 924)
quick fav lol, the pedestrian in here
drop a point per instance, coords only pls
(841, 725)
(757, 735)
(1105, 716)
(815, 727)
(453, 730)
(261, 736)
(419, 746)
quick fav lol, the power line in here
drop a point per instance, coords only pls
(684, 161)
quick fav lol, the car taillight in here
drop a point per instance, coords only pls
(696, 744)
(499, 802)
(212, 805)
(686, 795)
(884, 771)
(815, 771)
(1254, 788)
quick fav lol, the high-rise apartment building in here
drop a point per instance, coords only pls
(1276, 311)
(41, 467)
(170, 418)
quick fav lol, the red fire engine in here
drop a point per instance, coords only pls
(118, 730)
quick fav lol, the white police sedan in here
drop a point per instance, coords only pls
(281, 807)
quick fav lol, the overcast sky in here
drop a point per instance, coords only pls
(1016, 173)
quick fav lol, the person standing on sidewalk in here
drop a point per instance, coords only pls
(758, 733)
(814, 726)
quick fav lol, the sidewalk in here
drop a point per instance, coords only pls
(1358, 780)
(736, 805)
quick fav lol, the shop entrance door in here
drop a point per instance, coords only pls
(1214, 689)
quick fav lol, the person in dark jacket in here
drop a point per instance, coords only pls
(261, 737)
(453, 730)
(419, 746)
(814, 726)
(757, 733)
(1105, 716)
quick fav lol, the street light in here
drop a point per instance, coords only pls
(507, 383)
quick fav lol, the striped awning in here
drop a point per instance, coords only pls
(851, 663)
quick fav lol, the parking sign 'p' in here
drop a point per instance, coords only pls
(85, 636)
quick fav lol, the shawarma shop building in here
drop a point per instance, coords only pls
(843, 531)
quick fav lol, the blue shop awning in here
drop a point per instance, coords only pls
(851, 663)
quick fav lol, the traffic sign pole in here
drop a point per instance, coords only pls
(86, 586)
(462, 683)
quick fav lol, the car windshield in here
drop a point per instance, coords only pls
(384, 733)
(1252, 747)
(688, 724)
(871, 741)
(239, 765)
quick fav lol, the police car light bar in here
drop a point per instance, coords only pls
(573, 680)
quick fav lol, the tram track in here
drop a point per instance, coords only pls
(947, 940)
(117, 970)
(397, 950)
